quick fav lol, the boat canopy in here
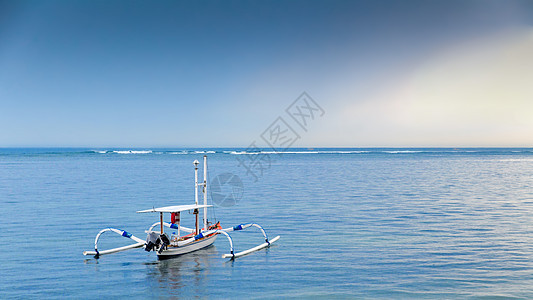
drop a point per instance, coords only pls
(175, 208)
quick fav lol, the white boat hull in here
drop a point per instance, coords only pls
(174, 251)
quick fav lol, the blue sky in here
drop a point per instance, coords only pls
(218, 73)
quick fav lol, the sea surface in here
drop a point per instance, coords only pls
(354, 223)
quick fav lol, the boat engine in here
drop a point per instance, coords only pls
(156, 241)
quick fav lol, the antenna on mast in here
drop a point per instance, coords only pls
(196, 163)
(205, 192)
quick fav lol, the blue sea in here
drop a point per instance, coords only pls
(425, 223)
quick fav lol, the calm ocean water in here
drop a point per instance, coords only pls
(354, 223)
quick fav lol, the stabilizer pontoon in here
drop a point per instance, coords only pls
(244, 226)
(242, 253)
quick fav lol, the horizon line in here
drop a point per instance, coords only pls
(262, 148)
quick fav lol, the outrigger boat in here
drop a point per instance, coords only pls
(194, 239)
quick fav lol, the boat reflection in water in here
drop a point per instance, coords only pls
(183, 276)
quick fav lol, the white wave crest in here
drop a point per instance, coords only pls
(296, 152)
(243, 152)
(132, 151)
(344, 152)
(402, 152)
(290, 152)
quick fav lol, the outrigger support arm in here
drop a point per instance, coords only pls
(171, 225)
(96, 253)
(244, 226)
(208, 232)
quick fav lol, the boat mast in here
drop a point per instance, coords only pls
(178, 215)
(161, 221)
(205, 192)
(195, 163)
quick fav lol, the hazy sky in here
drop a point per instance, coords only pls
(218, 73)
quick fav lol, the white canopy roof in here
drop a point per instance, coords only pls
(175, 208)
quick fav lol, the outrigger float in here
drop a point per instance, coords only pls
(194, 239)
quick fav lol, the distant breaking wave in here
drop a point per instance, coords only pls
(134, 152)
(269, 152)
(298, 152)
(236, 152)
(402, 151)
(123, 151)
(264, 151)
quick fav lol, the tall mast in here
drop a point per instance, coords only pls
(195, 163)
(205, 192)
(161, 221)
